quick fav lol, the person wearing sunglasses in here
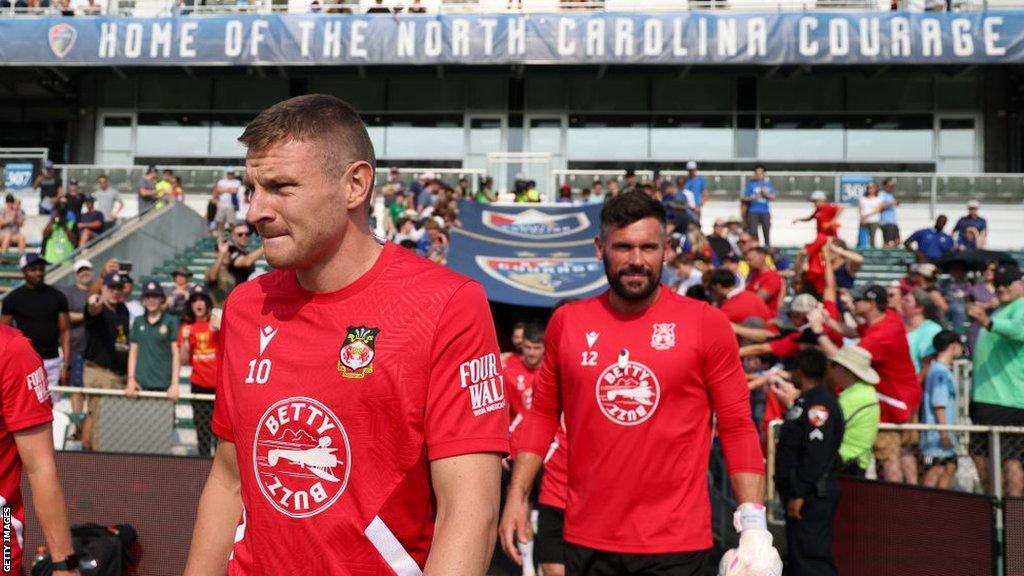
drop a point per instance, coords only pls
(234, 256)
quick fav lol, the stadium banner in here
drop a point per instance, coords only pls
(994, 37)
(18, 176)
(550, 225)
(851, 188)
(527, 276)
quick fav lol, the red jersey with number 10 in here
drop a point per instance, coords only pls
(337, 403)
(24, 404)
(638, 392)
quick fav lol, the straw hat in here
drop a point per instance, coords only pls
(857, 360)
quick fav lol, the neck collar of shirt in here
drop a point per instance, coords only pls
(358, 285)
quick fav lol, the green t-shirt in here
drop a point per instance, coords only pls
(395, 211)
(482, 196)
(59, 245)
(862, 414)
(920, 341)
(999, 358)
(153, 368)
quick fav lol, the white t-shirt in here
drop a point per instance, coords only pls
(868, 204)
(231, 186)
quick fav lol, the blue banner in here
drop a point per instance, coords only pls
(529, 255)
(18, 176)
(569, 38)
(851, 188)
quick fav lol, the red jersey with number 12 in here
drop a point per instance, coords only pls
(638, 392)
(24, 404)
(337, 403)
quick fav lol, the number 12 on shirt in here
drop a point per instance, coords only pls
(589, 358)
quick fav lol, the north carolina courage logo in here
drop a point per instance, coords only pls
(301, 457)
(628, 392)
(355, 359)
(62, 38)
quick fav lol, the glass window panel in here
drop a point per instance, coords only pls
(889, 144)
(903, 92)
(691, 143)
(957, 93)
(424, 143)
(117, 133)
(484, 135)
(173, 141)
(546, 140)
(224, 141)
(606, 143)
(801, 138)
(377, 137)
(802, 93)
(693, 93)
(956, 137)
(955, 165)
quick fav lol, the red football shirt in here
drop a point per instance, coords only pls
(770, 282)
(743, 304)
(638, 393)
(24, 404)
(202, 346)
(899, 392)
(554, 484)
(788, 347)
(519, 380)
(338, 402)
(824, 217)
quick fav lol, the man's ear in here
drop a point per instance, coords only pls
(598, 248)
(359, 184)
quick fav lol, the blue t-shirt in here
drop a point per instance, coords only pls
(759, 206)
(966, 222)
(844, 279)
(697, 185)
(939, 390)
(932, 242)
(888, 215)
(88, 217)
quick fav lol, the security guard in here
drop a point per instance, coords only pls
(808, 455)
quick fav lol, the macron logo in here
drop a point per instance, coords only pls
(266, 335)
(591, 339)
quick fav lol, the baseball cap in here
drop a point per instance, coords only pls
(115, 280)
(872, 293)
(30, 259)
(152, 168)
(82, 263)
(89, 199)
(230, 170)
(733, 220)
(153, 288)
(857, 360)
(926, 269)
(1006, 274)
(973, 204)
(803, 303)
(818, 195)
(719, 221)
(73, 181)
(182, 271)
(394, 169)
(691, 165)
(48, 164)
(199, 290)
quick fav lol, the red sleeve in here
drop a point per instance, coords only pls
(221, 424)
(833, 312)
(727, 388)
(25, 399)
(534, 435)
(785, 347)
(466, 410)
(772, 283)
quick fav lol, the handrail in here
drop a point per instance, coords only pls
(122, 393)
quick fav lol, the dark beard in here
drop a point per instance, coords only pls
(628, 293)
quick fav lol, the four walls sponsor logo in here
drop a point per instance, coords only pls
(301, 457)
(556, 275)
(482, 376)
(37, 383)
(536, 225)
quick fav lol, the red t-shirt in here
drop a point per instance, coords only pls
(824, 217)
(24, 404)
(202, 346)
(746, 304)
(554, 484)
(638, 393)
(338, 402)
(899, 392)
(770, 282)
(519, 379)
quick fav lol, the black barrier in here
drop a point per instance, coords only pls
(884, 529)
(1013, 535)
(157, 495)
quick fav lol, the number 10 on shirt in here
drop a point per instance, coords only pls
(259, 371)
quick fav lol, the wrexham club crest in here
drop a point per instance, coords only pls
(355, 359)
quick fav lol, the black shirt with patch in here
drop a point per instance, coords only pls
(809, 444)
(35, 312)
(239, 273)
(106, 338)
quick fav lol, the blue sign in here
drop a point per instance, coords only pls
(851, 188)
(527, 277)
(564, 38)
(526, 223)
(18, 176)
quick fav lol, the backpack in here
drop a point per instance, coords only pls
(102, 550)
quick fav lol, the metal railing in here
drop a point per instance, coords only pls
(189, 7)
